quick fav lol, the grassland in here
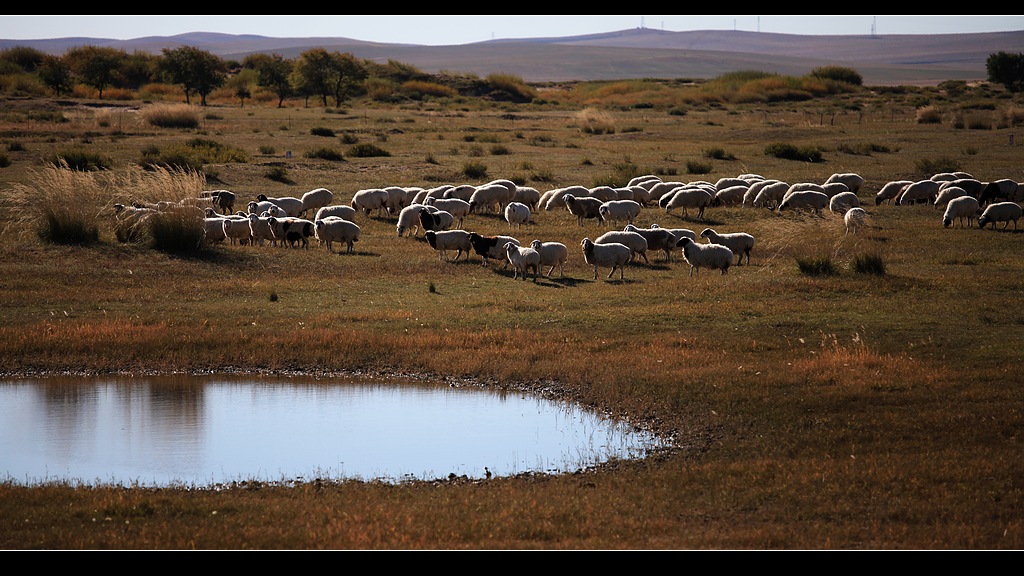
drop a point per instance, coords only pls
(847, 411)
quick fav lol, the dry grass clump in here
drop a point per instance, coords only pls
(929, 115)
(595, 121)
(172, 116)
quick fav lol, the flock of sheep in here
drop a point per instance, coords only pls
(440, 213)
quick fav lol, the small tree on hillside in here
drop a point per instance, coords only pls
(1006, 69)
(95, 66)
(198, 71)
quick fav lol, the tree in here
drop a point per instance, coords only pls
(26, 58)
(348, 76)
(95, 66)
(1006, 69)
(326, 74)
(273, 72)
(55, 73)
(242, 84)
(198, 71)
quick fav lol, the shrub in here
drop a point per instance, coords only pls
(325, 154)
(15, 147)
(4, 161)
(177, 230)
(318, 131)
(816, 266)
(265, 149)
(172, 116)
(929, 115)
(694, 167)
(791, 152)
(839, 74)
(367, 151)
(277, 174)
(349, 138)
(593, 121)
(499, 150)
(937, 165)
(718, 154)
(474, 170)
(868, 264)
(81, 160)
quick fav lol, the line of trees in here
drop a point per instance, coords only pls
(316, 73)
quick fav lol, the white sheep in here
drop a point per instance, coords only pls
(657, 238)
(1005, 212)
(552, 254)
(291, 205)
(527, 195)
(947, 193)
(237, 230)
(833, 188)
(490, 196)
(316, 199)
(770, 195)
(369, 199)
(853, 181)
(291, 232)
(333, 229)
(688, 197)
(583, 207)
(214, 228)
(843, 201)
(972, 186)
(635, 241)
(556, 197)
(804, 199)
(918, 192)
(730, 195)
(517, 215)
(259, 228)
(855, 218)
(960, 208)
(457, 207)
(462, 192)
(890, 191)
(409, 219)
(740, 243)
(399, 198)
(445, 240)
(264, 207)
(339, 210)
(522, 259)
(614, 255)
(604, 193)
(661, 190)
(713, 256)
(641, 195)
(803, 187)
(616, 211)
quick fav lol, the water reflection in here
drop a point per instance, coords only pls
(200, 431)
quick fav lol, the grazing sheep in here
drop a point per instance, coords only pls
(316, 199)
(556, 197)
(339, 210)
(657, 238)
(583, 207)
(661, 190)
(803, 187)
(237, 230)
(740, 243)
(491, 246)
(616, 211)
(960, 208)
(688, 197)
(678, 233)
(641, 195)
(333, 229)
(613, 254)
(455, 206)
(1003, 190)
(730, 196)
(713, 256)
(1005, 212)
(922, 191)
(853, 181)
(604, 193)
(291, 205)
(436, 220)
(268, 208)
(369, 199)
(842, 202)
(292, 231)
(522, 259)
(552, 254)
(890, 191)
(635, 241)
(855, 218)
(972, 186)
(490, 196)
(517, 215)
(445, 240)
(135, 215)
(805, 199)
(947, 193)
(409, 219)
(260, 230)
(770, 195)
(223, 199)
(462, 192)
(833, 188)
(729, 182)
(527, 195)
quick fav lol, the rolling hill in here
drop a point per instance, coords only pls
(633, 53)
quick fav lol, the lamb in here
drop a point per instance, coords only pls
(612, 254)
(370, 199)
(922, 191)
(517, 215)
(490, 246)
(291, 205)
(583, 207)
(890, 191)
(853, 181)
(635, 241)
(552, 254)
(713, 256)
(339, 210)
(855, 218)
(445, 240)
(455, 206)
(1005, 212)
(333, 229)
(842, 202)
(688, 197)
(619, 210)
(805, 199)
(740, 243)
(522, 259)
(960, 208)
(657, 239)
(316, 199)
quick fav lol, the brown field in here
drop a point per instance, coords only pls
(846, 411)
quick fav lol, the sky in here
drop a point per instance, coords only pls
(440, 30)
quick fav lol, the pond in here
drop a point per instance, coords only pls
(207, 431)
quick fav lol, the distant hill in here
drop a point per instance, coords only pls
(910, 59)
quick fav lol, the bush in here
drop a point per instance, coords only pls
(500, 150)
(868, 264)
(718, 154)
(172, 116)
(791, 152)
(325, 154)
(593, 121)
(321, 132)
(4, 161)
(839, 74)
(937, 165)
(367, 151)
(929, 115)
(349, 138)
(80, 160)
(277, 174)
(694, 167)
(474, 170)
(178, 230)
(816, 266)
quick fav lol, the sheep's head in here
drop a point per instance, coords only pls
(683, 242)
